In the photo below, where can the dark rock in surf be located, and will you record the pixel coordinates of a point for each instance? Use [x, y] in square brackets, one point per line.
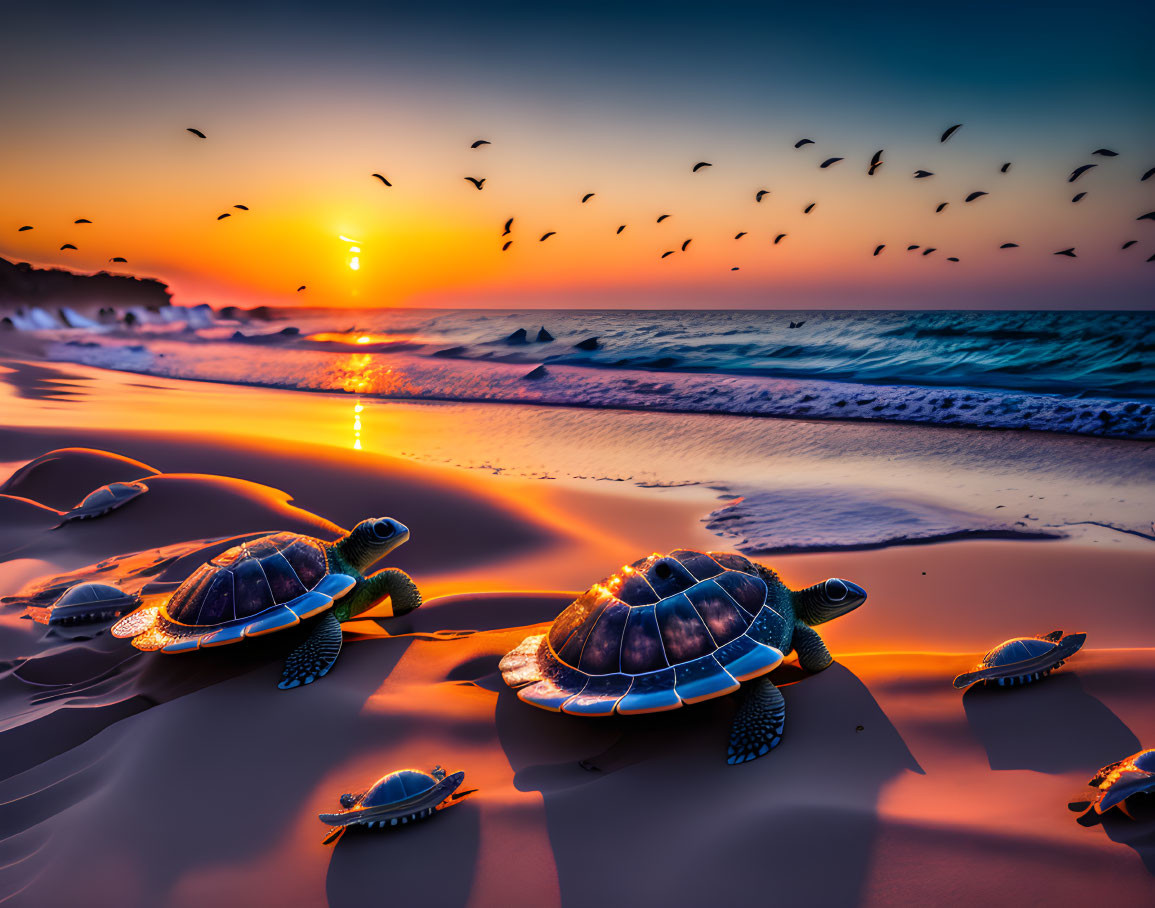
[590, 343]
[544, 337]
[539, 372]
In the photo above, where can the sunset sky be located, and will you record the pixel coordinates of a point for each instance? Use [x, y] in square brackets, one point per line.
[301, 103]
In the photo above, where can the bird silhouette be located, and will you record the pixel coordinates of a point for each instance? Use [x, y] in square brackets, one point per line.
[587, 197]
[809, 208]
[952, 259]
[382, 179]
[778, 239]
[661, 218]
[875, 163]
[1149, 216]
[546, 236]
[1078, 196]
[67, 246]
[476, 182]
[941, 206]
[700, 165]
[664, 254]
[1070, 253]
[1079, 171]
[1005, 167]
[242, 207]
[1009, 246]
[25, 227]
[760, 193]
[508, 227]
[928, 250]
[221, 217]
[978, 194]
[197, 133]
[1105, 152]
[480, 142]
[802, 142]
[118, 259]
[82, 221]
[1129, 244]
[879, 248]
[740, 234]
[509, 243]
[950, 132]
[912, 248]
[620, 229]
[1151, 258]
[735, 268]
[923, 174]
[302, 287]
[1150, 173]
[685, 244]
[828, 162]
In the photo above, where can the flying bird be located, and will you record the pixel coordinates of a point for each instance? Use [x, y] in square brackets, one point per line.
[828, 162]
[923, 174]
[734, 269]
[1070, 253]
[242, 207]
[1149, 216]
[197, 133]
[928, 250]
[1005, 167]
[480, 142]
[221, 217]
[302, 287]
[476, 182]
[952, 259]
[1079, 171]
[875, 163]
[700, 165]
[1151, 258]
[809, 208]
[546, 236]
[976, 195]
[740, 234]
[118, 259]
[1009, 246]
[620, 229]
[82, 221]
[1150, 173]
[382, 179]
[778, 238]
[912, 248]
[1078, 196]
[761, 192]
[587, 197]
[802, 142]
[950, 132]
[509, 243]
[508, 227]
[664, 254]
[1105, 152]
[67, 246]
[685, 244]
[879, 248]
[1129, 244]
[662, 218]
[25, 227]
[941, 206]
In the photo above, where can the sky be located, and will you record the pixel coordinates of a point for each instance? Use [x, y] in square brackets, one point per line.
[302, 102]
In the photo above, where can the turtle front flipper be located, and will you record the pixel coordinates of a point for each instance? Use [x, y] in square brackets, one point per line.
[758, 724]
[313, 658]
[812, 652]
[391, 583]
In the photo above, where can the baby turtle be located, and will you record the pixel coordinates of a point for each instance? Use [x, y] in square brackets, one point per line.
[91, 602]
[677, 629]
[106, 498]
[1022, 660]
[401, 797]
[1116, 784]
[275, 582]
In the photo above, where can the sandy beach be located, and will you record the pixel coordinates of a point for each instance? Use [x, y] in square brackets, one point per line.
[164, 780]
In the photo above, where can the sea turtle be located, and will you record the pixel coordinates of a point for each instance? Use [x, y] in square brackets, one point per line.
[107, 498]
[1022, 660]
[276, 582]
[675, 629]
[401, 797]
[90, 602]
[1116, 784]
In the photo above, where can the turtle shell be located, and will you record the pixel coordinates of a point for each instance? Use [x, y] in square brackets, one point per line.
[91, 602]
[396, 799]
[664, 631]
[1022, 660]
[105, 499]
[251, 589]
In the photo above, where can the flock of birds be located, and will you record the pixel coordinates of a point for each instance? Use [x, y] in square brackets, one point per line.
[876, 161]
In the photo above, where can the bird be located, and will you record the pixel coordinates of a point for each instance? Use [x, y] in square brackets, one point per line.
[302, 287]
[941, 206]
[25, 227]
[879, 248]
[923, 174]
[875, 163]
[196, 132]
[620, 229]
[1150, 173]
[1151, 258]
[1149, 216]
[734, 268]
[740, 234]
[587, 197]
[1105, 152]
[1005, 167]
[1070, 253]
[950, 132]
[382, 179]
[1079, 171]
[975, 195]
[117, 258]
[221, 217]
[1009, 246]
[664, 254]
[1078, 196]
[912, 248]
[1129, 244]
[802, 142]
[778, 238]
[82, 221]
[685, 244]
[509, 243]
[828, 162]
[661, 218]
[928, 250]
[508, 227]
[760, 193]
[952, 259]
[809, 208]
[480, 142]
[67, 246]
[476, 182]
[546, 236]
[700, 165]
[242, 207]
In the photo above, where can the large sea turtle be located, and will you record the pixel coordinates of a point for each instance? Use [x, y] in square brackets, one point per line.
[676, 629]
[275, 582]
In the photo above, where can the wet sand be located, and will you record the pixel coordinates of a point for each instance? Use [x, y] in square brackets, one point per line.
[130, 778]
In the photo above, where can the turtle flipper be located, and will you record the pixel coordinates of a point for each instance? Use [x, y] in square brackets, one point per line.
[757, 726]
[390, 583]
[313, 658]
[812, 652]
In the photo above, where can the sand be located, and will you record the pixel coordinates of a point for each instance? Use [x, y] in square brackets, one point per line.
[141, 779]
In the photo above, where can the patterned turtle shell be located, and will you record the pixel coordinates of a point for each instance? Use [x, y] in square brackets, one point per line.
[251, 589]
[1022, 660]
[664, 631]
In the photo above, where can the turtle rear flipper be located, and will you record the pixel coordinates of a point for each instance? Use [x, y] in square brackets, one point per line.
[758, 724]
[313, 658]
[333, 835]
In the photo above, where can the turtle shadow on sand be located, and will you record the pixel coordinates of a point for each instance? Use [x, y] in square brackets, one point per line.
[1051, 726]
[657, 787]
[1136, 832]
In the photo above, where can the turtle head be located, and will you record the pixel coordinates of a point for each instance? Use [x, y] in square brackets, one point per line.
[372, 539]
[830, 599]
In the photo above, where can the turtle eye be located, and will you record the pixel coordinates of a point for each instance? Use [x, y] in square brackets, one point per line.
[836, 590]
[383, 529]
